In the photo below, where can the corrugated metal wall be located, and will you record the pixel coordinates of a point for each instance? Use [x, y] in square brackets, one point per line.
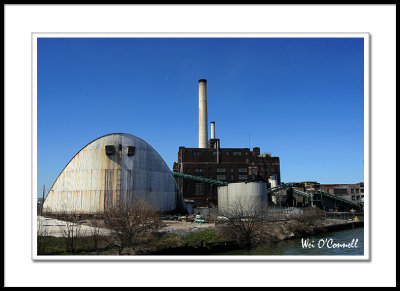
[94, 181]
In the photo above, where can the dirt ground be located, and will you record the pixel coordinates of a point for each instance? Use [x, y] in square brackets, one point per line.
[183, 228]
[278, 230]
[53, 227]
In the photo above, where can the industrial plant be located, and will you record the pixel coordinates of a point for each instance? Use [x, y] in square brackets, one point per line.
[211, 161]
[118, 193]
[120, 168]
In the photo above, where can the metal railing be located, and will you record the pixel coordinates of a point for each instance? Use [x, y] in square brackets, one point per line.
[293, 213]
[344, 215]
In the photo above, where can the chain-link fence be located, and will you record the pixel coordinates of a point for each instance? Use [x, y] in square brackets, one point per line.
[294, 213]
[345, 216]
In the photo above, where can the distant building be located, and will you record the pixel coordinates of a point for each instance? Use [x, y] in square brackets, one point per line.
[307, 186]
[39, 205]
[39, 202]
[351, 192]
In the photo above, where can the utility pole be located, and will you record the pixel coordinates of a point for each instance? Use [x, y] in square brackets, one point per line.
[41, 207]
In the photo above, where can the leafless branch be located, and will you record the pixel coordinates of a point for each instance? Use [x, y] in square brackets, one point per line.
[71, 231]
[41, 237]
[132, 222]
[242, 220]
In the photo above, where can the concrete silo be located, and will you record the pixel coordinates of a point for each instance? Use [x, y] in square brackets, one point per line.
[242, 197]
[112, 169]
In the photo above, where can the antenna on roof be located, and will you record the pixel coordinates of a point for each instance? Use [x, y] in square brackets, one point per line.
[41, 208]
[249, 141]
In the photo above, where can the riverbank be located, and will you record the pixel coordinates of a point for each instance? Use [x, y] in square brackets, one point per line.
[187, 238]
[283, 230]
[278, 231]
[347, 242]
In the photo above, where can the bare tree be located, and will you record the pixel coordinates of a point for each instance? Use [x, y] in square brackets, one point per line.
[242, 220]
[309, 216]
[133, 223]
[41, 237]
[71, 231]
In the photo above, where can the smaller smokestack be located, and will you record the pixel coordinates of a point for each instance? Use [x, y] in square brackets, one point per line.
[212, 130]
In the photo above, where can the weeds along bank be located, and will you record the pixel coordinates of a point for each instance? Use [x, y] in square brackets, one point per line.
[178, 238]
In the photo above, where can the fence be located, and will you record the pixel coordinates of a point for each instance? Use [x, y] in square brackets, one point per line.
[290, 213]
[344, 215]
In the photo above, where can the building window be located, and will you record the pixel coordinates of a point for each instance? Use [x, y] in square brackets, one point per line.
[242, 170]
[221, 177]
[237, 153]
[231, 177]
[358, 198]
[362, 190]
[357, 190]
[199, 170]
[195, 153]
[252, 170]
[340, 191]
[242, 177]
[352, 190]
[199, 188]
[231, 170]
[220, 170]
[353, 198]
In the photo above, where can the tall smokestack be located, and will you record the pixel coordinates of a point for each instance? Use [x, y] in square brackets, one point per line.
[212, 130]
[203, 134]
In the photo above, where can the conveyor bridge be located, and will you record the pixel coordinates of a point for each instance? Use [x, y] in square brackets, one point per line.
[200, 179]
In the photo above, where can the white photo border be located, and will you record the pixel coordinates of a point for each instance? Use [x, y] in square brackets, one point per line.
[367, 100]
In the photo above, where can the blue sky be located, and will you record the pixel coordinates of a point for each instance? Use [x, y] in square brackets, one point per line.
[301, 99]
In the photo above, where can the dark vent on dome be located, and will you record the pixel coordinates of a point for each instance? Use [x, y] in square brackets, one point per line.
[131, 150]
[110, 150]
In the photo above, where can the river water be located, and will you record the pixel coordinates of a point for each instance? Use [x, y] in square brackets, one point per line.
[342, 242]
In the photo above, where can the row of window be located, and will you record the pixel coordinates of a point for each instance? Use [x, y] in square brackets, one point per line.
[344, 191]
[354, 198]
[223, 177]
[219, 170]
[198, 153]
[357, 190]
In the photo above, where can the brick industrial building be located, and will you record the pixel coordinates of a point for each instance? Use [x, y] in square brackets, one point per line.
[224, 164]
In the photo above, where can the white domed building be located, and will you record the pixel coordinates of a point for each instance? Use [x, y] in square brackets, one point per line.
[112, 169]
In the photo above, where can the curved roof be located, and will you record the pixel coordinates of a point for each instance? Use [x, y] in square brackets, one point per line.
[93, 180]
